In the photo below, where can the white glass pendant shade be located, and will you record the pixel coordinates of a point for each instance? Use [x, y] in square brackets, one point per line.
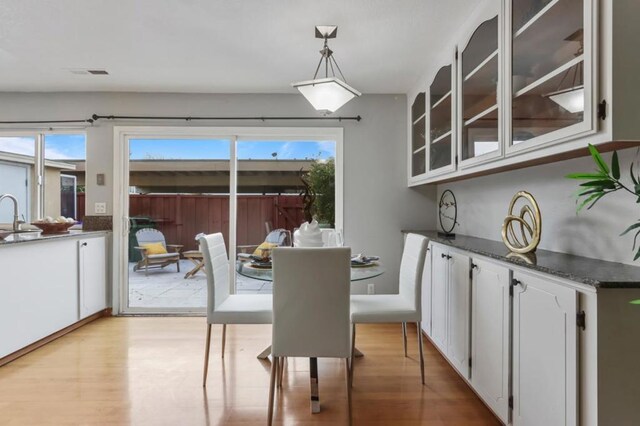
[572, 100]
[326, 94]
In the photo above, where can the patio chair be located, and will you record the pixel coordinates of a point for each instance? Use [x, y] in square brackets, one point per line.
[155, 252]
[276, 238]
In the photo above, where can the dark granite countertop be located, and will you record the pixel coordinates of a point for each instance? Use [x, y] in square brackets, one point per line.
[592, 272]
[37, 237]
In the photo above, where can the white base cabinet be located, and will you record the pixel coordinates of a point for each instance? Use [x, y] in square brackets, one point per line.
[545, 362]
[48, 285]
[490, 339]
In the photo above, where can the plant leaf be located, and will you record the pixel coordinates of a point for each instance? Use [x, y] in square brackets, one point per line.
[637, 255]
[598, 159]
[596, 200]
[588, 200]
[635, 240]
[615, 166]
[633, 177]
[589, 191]
[586, 176]
[606, 184]
[634, 226]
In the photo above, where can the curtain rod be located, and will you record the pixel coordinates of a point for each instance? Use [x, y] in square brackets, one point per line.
[97, 117]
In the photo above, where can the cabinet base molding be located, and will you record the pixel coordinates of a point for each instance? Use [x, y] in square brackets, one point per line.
[50, 338]
[426, 336]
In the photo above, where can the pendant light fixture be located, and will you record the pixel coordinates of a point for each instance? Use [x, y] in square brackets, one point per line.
[572, 98]
[330, 93]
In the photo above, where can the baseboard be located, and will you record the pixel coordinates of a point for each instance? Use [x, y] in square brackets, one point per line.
[50, 338]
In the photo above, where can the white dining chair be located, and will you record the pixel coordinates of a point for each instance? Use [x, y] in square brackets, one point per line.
[403, 307]
[310, 310]
[222, 307]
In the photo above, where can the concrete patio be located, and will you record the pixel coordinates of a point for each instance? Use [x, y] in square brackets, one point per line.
[166, 288]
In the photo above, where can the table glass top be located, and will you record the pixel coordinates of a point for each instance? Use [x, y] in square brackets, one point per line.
[357, 273]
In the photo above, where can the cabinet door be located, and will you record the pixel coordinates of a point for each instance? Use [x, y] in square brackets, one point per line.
[544, 352]
[426, 293]
[552, 82]
[458, 334]
[490, 308]
[480, 98]
[92, 273]
[418, 136]
[439, 278]
[441, 108]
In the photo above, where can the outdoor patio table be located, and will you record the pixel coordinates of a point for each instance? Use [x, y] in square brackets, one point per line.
[196, 257]
[358, 273]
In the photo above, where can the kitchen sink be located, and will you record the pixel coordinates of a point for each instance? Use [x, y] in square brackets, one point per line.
[23, 234]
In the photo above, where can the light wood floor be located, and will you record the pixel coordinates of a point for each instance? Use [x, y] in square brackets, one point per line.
[147, 371]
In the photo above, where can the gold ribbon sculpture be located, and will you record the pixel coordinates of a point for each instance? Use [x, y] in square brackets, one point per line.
[530, 225]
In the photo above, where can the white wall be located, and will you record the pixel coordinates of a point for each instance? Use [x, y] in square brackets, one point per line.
[483, 204]
[377, 202]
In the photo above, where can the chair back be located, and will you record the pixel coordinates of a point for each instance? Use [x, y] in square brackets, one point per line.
[216, 264]
[150, 235]
[411, 265]
[311, 316]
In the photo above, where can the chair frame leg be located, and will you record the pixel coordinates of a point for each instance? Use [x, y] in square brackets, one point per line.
[224, 338]
[349, 366]
[421, 351]
[206, 356]
[353, 349]
[404, 337]
[272, 383]
[281, 366]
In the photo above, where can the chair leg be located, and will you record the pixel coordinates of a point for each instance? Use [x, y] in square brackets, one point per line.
[146, 268]
[421, 354]
[349, 367]
[281, 365]
[272, 383]
[178, 265]
[224, 337]
[206, 356]
[404, 337]
[353, 349]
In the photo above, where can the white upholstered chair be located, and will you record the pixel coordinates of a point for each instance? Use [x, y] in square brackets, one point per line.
[310, 309]
[403, 307]
[222, 307]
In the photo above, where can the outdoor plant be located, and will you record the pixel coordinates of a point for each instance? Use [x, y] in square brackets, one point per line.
[321, 178]
[605, 180]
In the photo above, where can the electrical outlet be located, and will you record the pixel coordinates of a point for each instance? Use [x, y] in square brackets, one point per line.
[371, 288]
[100, 208]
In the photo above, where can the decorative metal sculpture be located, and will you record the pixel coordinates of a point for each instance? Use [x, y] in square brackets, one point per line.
[530, 225]
[448, 213]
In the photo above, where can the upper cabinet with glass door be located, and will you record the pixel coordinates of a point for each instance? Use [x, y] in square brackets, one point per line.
[479, 103]
[441, 128]
[551, 57]
[418, 139]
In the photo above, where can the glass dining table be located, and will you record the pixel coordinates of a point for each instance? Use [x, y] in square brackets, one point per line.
[358, 273]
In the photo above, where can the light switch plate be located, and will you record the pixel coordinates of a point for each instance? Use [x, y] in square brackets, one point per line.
[371, 288]
[100, 208]
[100, 179]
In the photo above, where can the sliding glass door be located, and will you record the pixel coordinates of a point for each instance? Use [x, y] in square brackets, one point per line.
[176, 184]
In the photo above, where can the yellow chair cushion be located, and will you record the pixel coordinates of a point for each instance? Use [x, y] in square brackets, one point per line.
[259, 251]
[155, 248]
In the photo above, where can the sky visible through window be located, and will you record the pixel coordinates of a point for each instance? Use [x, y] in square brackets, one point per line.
[73, 147]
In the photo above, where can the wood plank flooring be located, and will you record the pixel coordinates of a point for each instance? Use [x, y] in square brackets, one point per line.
[148, 371]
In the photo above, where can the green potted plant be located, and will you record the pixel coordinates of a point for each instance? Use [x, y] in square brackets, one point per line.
[605, 180]
[321, 178]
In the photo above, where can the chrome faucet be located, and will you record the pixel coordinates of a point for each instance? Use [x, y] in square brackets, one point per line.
[16, 219]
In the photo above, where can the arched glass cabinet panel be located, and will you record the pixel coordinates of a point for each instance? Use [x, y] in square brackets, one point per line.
[440, 120]
[479, 82]
[418, 138]
[548, 67]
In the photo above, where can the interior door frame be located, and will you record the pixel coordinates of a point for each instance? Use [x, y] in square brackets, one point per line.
[121, 137]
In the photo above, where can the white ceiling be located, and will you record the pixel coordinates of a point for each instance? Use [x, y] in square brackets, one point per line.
[217, 46]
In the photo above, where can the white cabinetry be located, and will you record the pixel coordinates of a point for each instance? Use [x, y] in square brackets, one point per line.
[491, 312]
[545, 360]
[426, 293]
[450, 306]
[92, 274]
[458, 313]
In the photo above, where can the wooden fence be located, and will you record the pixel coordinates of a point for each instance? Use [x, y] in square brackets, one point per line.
[182, 217]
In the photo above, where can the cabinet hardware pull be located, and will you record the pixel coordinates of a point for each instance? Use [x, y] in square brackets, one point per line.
[84, 244]
[473, 266]
[444, 256]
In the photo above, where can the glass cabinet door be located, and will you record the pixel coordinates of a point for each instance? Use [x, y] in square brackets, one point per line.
[440, 130]
[418, 139]
[479, 106]
[548, 68]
